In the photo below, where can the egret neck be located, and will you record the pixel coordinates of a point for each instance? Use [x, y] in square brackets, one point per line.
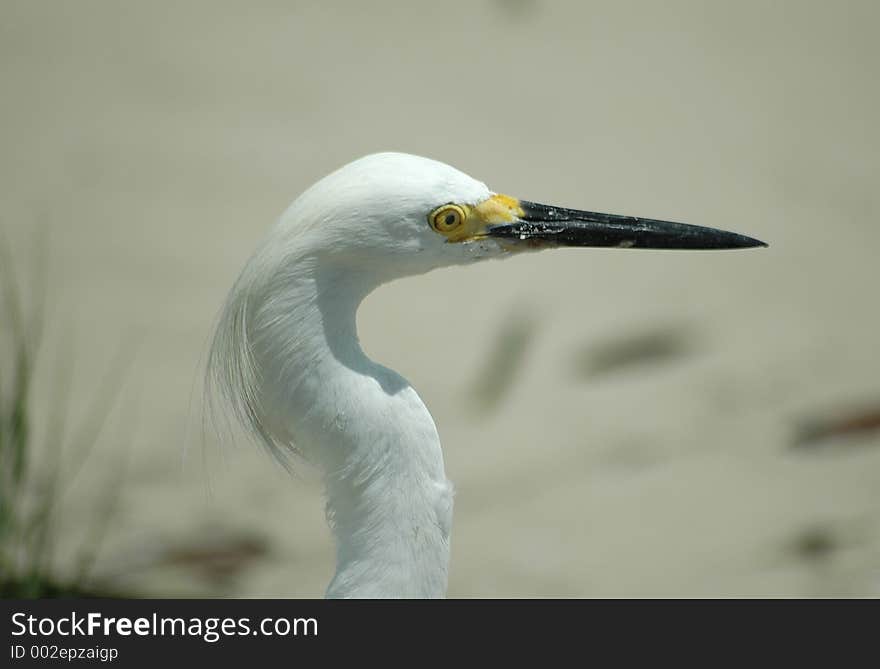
[388, 501]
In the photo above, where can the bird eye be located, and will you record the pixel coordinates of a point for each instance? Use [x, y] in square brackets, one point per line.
[447, 218]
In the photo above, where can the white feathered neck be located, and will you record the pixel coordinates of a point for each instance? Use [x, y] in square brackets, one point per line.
[288, 360]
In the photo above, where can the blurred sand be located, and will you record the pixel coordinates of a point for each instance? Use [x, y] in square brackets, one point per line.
[157, 141]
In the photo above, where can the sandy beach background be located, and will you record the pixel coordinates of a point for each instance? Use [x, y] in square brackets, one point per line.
[616, 423]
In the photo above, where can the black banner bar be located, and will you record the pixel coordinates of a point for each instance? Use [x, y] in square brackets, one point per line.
[268, 632]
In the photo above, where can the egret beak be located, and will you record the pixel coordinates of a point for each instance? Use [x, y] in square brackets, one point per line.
[540, 225]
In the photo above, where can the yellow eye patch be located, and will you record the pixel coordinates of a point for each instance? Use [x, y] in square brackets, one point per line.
[461, 222]
[499, 209]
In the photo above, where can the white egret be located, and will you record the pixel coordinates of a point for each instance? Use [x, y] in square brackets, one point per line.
[286, 359]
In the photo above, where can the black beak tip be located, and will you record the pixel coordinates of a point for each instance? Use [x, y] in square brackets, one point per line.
[744, 242]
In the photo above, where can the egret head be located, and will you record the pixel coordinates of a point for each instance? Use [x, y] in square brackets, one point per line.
[382, 217]
[400, 214]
